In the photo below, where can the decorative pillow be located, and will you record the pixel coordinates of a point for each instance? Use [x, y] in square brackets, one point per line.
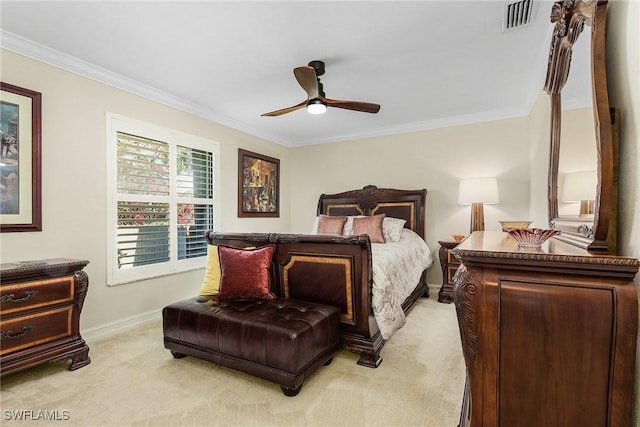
[331, 224]
[211, 281]
[371, 225]
[245, 273]
[348, 226]
[392, 229]
[314, 227]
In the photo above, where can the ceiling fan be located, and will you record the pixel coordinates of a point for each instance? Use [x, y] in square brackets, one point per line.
[308, 77]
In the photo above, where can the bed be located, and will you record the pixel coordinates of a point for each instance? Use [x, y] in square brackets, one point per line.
[340, 270]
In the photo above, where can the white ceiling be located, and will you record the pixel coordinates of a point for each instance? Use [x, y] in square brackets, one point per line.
[428, 63]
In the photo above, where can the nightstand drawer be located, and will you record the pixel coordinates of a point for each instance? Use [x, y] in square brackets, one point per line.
[449, 265]
[24, 296]
[451, 271]
[28, 331]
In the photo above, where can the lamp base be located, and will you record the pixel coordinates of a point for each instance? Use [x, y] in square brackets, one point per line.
[477, 217]
[586, 207]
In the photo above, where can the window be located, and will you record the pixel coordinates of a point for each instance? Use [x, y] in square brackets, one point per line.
[161, 191]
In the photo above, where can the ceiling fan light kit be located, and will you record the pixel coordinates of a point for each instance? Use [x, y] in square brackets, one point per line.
[308, 77]
[316, 106]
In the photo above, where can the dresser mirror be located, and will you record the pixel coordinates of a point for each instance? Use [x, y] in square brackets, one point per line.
[582, 185]
[578, 157]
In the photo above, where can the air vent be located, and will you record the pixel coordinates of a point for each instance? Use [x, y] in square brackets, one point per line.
[517, 14]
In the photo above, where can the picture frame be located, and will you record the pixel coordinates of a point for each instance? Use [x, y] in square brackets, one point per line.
[20, 159]
[258, 185]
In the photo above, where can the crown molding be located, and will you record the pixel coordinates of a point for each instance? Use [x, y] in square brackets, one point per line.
[423, 126]
[47, 55]
[584, 102]
[53, 57]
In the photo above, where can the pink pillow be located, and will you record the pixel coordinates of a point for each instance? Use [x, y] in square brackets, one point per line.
[331, 224]
[245, 273]
[371, 225]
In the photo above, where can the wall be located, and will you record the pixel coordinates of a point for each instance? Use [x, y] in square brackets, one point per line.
[74, 185]
[435, 160]
[623, 78]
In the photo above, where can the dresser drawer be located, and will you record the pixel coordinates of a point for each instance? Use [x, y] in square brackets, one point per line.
[39, 328]
[40, 293]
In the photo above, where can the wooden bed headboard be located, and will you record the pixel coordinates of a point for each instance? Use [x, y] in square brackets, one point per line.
[409, 205]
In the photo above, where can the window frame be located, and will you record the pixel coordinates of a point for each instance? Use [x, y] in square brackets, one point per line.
[117, 123]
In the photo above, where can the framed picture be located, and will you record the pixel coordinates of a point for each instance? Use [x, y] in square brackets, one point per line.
[258, 185]
[20, 159]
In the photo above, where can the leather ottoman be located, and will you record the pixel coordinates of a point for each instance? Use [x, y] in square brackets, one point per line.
[280, 340]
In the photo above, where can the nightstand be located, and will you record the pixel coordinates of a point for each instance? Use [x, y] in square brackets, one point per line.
[449, 265]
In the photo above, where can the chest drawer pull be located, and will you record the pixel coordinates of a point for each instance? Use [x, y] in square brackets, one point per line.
[27, 296]
[25, 331]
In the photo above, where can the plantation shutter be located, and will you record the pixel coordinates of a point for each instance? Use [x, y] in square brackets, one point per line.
[195, 211]
[143, 225]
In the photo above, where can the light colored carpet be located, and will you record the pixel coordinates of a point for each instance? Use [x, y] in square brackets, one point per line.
[133, 381]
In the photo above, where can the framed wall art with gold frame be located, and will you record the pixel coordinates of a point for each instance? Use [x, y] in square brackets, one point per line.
[258, 185]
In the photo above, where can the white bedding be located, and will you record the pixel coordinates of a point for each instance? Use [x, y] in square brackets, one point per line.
[397, 268]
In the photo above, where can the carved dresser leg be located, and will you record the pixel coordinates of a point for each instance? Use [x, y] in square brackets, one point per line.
[80, 359]
[370, 359]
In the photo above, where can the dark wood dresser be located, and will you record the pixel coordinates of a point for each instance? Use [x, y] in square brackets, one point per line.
[40, 310]
[548, 335]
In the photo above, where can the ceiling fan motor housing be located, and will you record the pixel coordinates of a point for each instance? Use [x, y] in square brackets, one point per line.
[318, 66]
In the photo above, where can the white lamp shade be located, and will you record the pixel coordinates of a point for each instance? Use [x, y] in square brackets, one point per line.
[478, 190]
[580, 186]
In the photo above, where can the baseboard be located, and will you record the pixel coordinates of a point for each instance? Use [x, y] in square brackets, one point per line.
[433, 289]
[119, 326]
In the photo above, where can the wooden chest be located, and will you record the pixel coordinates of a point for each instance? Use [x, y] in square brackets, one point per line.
[40, 307]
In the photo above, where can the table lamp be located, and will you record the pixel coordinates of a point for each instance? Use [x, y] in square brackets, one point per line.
[581, 187]
[476, 192]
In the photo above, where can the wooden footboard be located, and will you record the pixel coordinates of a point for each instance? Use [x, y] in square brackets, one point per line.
[329, 270]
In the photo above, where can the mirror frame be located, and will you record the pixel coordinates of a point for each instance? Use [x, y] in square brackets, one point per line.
[569, 18]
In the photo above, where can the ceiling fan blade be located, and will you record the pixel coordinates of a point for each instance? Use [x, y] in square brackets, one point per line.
[306, 77]
[365, 107]
[285, 110]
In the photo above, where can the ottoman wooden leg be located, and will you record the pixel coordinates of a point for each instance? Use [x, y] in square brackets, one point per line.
[290, 392]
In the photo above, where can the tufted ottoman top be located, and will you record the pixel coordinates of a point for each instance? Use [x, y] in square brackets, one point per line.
[280, 333]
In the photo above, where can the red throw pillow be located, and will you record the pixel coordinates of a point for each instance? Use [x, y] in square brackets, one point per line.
[245, 273]
[371, 225]
[331, 224]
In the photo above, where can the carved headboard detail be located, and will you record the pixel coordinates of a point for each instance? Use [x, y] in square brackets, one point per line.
[405, 204]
